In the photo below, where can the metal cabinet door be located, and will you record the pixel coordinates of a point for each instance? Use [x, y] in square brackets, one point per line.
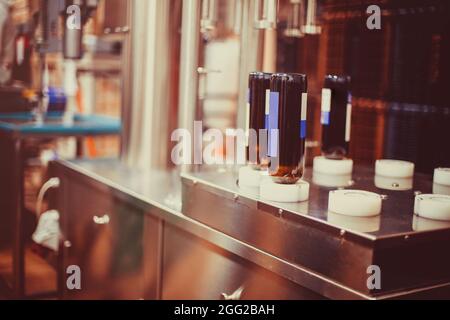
[194, 269]
[105, 239]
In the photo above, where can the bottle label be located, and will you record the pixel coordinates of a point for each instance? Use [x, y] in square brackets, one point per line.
[348, 123]
[20, 50]
[247, 119]
[303, 122]
[326, 106]
[267, 111]
[273, 123]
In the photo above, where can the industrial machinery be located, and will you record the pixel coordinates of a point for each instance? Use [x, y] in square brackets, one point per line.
[66, 18]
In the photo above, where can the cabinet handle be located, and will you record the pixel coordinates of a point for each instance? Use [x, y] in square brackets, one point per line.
[237, 295]
[101, 220]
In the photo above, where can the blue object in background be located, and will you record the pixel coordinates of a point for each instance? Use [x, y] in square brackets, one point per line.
[57, 100]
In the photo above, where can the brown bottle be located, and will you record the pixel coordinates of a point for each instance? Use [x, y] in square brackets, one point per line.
[288, 111]
[336, 117]
[259, 89]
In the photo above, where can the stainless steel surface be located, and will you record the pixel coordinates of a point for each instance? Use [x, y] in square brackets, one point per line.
[189, 59]
[218, 271]
[250, 57]
[409, 258]
[148, 108]
[165, 202]
[396, 220]
[116, 252]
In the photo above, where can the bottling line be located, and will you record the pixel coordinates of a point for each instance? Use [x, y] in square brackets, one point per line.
[269, 150]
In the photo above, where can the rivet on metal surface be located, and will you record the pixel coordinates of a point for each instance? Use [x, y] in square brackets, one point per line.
[343, 232]
[236, 196]
[67, 244]
[195, 182]
[407, 237]
[384, 197]
[280, 212]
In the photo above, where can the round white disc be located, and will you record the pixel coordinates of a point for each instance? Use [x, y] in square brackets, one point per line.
[334, 167]
[355, 203]
[396, 184]
[287, 193]
[249, 177]
[442, 176]
[436, 207]
[424, 224]
[360, 224]
[394, 168]
[331, 180]
[441, 189]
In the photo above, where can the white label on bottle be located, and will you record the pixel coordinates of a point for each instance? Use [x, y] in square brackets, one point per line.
[267, 102]
[326, 100]
[247, 120]
[348, 123]
[304, 106]
[303, 124]
[20, 50]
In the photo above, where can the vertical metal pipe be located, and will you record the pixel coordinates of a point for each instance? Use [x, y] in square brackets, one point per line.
[148, 105]
[189, 64]
[311, 26]
[266, 15]
[127, 85]
[250, 56]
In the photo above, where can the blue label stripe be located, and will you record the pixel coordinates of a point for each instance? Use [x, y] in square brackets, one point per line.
[266, 123]
[273, 124]
[303, 129]
[325, 118]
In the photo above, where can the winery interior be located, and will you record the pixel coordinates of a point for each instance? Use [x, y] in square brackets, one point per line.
[224, 149]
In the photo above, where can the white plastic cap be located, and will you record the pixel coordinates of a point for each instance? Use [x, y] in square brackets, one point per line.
[441, 189]
[442, 176]
[432, 206]
[249, 177]
[355, 203]
[396, 184]
[287, 193]
[394, 168]
[334, 167]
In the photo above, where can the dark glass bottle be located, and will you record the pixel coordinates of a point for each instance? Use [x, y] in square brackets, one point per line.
[336, 117]
[258, 94]
[288, 111]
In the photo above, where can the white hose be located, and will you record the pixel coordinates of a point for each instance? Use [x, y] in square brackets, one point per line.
[50, 184]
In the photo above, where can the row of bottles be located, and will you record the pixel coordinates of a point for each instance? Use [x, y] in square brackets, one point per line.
[278, 104]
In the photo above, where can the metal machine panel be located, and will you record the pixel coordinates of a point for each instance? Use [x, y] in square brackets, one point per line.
[338, 247]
